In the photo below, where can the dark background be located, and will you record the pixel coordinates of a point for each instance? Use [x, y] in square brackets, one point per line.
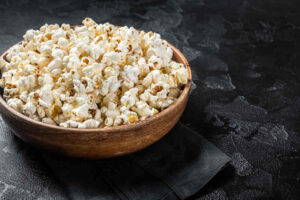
[245, 59]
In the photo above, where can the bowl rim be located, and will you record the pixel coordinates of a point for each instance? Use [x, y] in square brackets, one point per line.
[126, 127]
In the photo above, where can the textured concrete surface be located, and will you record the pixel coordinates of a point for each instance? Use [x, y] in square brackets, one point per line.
[245, 99]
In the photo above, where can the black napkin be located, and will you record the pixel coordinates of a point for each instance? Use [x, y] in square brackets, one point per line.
[176, 167]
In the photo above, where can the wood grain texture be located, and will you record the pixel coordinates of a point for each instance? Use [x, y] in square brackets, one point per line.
[100, 142]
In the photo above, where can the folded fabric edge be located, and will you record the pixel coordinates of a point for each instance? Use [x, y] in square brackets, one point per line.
[225, 161]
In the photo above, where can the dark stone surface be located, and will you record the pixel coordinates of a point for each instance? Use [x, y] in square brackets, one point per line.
[245, 98]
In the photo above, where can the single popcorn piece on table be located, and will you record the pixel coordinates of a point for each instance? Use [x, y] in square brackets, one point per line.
[91, 76]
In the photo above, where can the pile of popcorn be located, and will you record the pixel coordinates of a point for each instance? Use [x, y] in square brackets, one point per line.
[95, 75]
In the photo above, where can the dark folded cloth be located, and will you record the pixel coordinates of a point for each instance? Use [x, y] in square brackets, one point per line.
[176, 167]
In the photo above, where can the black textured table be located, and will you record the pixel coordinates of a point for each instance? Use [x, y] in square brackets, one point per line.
[245, 59]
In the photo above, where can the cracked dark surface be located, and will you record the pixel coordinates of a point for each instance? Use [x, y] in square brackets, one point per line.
[245, 99]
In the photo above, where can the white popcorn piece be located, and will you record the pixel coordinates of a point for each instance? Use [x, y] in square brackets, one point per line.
[74, 62]
[78, 86]
[181, 75]
[143, 66]
[43, 61]
[3, 64]
[15, 103]
[41, 112]
[109, 71]
[108, 122]
[143, 109]
[131, 34]
[111, 84]
[98, 115]
[28, 82]
[129, 98]
[95, 75]
[88, 70]
[81, 112]
[29, 35]
[88, 22]
[57, 34]
[67, 109]
[62, 43]
[48, 121]
[118, 121]
[29, 108]
[112, 111]
[96, 51]
[112, 58]
[155, 62]
[64, 124]
[153, 77]
[15, 60]
[58, 54]
[46, 79]
[83, 48]
[129, 117]
[65, 27]
[55, 64]
[45, 50]
[163, 103]
[45, 96]
[24, 96]
[130, 73]
[91, 123]
[81, 98]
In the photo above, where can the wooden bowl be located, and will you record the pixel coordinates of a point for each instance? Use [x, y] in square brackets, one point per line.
[98, 142]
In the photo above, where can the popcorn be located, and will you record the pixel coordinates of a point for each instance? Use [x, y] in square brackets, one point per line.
[90, 123]
[45, 97]
[130, 73]
[29, 35]
[3, 63]
[59, 33]
[112, 112]
[111, 58]
[62, 43]
[111, 84]
[181, 75]
[41, 112]
[23, 96]
[55, 64]
[16, 104]
[144, 110]
[86, 61]
[129, 98]
[174, 92]
[48, 121]
[155, 62]
[129, 117]
[108, 122]
[45, 50]
[29, 108]
[27, 82]
[153, 77]
[95, 75]
[58, 54]
[88, 22]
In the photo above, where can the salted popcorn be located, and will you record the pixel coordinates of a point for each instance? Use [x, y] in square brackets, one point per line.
[91, 76]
